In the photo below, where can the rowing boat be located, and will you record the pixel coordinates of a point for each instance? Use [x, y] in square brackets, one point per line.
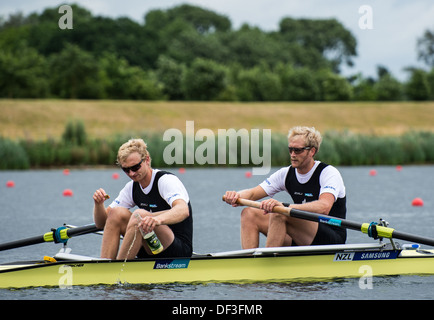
[310, 263]
[300, 263]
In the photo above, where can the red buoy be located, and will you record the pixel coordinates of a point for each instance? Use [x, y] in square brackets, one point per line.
[10, 184]
[181, 170]
[66, 172]
[67, 193]
[373, 172]
[115, 176]
[417, 202]
[248, 174]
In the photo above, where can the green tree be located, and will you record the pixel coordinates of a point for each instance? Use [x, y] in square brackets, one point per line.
[328, 37]
[388, 88]
[123, 81]
[250, 46]
[258, 84]
[75, 74]
[425, 48]
[170, 74]
[417, 88]
[334, 87]
[23, 73]
[298, 84]
[363, 88]
[204, 80]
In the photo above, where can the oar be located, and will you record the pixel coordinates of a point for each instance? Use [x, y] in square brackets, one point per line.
[61, 234]
[371, 229]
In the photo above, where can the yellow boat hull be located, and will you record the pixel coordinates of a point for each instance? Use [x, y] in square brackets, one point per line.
[236, 269]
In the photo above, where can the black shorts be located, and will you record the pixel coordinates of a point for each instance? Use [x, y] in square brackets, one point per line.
[327, 234]
[178, 249]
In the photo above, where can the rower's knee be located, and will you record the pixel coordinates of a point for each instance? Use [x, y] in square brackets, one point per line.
[118, 215]
[251, 215]
[277, 217]
[246, 214]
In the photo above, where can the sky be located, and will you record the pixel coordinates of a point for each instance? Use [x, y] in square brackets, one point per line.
[386, 30]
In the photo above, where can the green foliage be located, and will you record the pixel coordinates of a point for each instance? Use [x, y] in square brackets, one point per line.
[205, 80]
[418, 87]
[188, 52]
[299, 84]
[333, 87]
[22, 73]
[12, 155]
[75, 74]
[75, 133]
[338, 148]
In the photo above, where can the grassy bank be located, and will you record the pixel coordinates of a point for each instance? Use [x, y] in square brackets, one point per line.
[41, 133]
[46, 119]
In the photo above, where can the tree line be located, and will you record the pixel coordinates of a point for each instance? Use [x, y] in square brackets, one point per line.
[190, 53]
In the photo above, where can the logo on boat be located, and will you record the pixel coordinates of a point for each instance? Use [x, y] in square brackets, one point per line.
[172, 264]
[369, 255]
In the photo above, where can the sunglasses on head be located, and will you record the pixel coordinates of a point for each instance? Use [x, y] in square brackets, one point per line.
[298, 150]
[132, 168]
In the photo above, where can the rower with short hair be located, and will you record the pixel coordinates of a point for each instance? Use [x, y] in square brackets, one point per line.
[164, 207]
[313, 186]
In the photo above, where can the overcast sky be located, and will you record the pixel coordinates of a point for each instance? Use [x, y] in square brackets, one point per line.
[396, 24]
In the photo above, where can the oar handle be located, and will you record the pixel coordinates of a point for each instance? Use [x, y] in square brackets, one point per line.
[255, 204]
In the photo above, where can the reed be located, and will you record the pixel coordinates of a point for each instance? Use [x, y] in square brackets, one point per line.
[12, 155]
[339, 148]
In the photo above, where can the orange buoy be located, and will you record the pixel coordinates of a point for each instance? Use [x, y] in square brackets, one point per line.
[115, 176]
[417, 202]
[181, 170]
[398, 168]
[248, 174]
[66, 172]
[67, 193]
[10, 184]
[373, 172]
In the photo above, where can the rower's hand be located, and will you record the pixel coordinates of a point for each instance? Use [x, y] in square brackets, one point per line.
[149, 223]
[269, 204]
[100, 196]
[231, 198]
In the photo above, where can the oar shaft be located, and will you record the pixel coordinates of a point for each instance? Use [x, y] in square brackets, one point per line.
[306, 215]
[382, 232]
[21, 243]
[49, 237]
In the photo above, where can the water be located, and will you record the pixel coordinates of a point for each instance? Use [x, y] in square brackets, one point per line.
[36, 204]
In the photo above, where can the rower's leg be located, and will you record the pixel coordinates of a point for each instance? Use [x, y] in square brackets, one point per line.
[115, 226]
[253, 222]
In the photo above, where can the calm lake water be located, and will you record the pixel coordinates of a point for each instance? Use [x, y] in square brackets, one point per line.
[36, 204]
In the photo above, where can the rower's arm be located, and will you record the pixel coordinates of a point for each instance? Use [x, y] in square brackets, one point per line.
[178, 213]
[255, 193]
[322, 206]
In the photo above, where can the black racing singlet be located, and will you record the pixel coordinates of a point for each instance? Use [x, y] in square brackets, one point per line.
[309, 191]
[154, 202]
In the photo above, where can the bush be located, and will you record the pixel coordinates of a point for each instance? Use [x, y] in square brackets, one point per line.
[299, 84]
[334, 87]
[418, 87]
[12, 155]
[75, 133]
